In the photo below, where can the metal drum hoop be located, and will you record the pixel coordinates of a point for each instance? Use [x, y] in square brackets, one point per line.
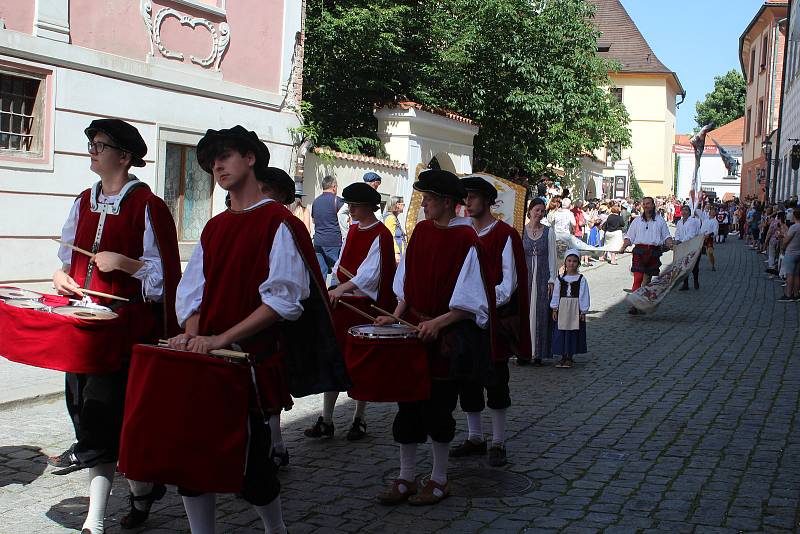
[393, 331]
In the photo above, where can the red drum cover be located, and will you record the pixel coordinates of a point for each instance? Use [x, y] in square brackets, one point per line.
[69, 344]
[388, 370]
[344, 318]
[185, 420]
[273, 384]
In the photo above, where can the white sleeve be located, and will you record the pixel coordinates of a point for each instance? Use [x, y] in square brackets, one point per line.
[554, 299]
[368, 275]
[68, 233]
[506, 288]
[469, 294]
[398, 284]
[189, 294]
[664, 231]
[630, 235]
[151, 274]
[552, 256]
[679, 231]
[343, 215]
[288, 281]
[583, 296]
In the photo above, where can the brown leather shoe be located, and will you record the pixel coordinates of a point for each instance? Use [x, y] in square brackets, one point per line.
[427, 496]
[394, 496]
[468, 448]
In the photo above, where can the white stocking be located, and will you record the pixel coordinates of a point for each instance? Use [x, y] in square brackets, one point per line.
[201, 512]
[328, 404]
[101, 477]
[475, 426]
[272, 516]
[441, 454]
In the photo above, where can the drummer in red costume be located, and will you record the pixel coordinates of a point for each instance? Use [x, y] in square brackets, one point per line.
[132, 235]
[440, 286]
[251, 274]
[505, 261]
[368, 255]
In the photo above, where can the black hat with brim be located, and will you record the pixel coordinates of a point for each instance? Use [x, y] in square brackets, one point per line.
[441, 183]
[125, 135]
[481, 186]
[215, 141]
[279, 181]
[361, 194]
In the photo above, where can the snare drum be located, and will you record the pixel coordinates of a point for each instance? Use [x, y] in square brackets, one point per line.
[387, 364]
[185, 420]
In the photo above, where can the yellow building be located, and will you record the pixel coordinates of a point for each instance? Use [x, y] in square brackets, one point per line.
[649, 91]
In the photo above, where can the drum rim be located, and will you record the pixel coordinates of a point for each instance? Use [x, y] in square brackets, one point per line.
[39, 305]
[403, 332]
[31, 295]
[113, 314]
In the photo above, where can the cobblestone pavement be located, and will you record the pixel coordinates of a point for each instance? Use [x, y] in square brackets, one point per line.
[682, 421]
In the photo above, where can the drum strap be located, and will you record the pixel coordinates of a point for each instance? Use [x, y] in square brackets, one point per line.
[103, 209]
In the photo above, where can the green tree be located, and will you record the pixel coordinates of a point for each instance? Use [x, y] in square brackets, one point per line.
[725, 103]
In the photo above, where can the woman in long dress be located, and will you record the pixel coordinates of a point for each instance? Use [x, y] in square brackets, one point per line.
[539, 242]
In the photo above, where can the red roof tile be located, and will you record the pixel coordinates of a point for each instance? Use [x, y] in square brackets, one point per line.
[361, 158]
[730, 134]
[407, 104]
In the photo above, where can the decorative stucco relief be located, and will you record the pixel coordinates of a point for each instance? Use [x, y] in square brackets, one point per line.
[220, 35]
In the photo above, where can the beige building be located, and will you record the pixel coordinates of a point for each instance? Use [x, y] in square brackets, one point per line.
[649, 91]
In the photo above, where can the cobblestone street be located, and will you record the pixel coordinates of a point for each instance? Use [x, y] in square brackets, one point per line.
[682, 421]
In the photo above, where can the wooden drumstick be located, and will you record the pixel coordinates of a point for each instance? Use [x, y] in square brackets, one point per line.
[346, 272]
[396, 318]
[225, 353]
[356, 310]
[101, 294]
[73, 247]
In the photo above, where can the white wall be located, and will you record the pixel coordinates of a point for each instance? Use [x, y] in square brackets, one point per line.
[787, 183]
[712, 175]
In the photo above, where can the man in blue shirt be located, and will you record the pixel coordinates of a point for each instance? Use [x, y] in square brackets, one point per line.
[327, 234]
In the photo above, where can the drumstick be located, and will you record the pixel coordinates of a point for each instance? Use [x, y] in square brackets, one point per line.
[346, 272]
[73, 247]
[396, 318]
[218, 352]
[356, 310]
[101, 294]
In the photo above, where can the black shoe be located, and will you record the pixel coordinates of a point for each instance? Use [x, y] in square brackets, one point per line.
[497, 455]
[281, 459]
[136, 517]
[319, 430]
[358, 430]
[65, 459]
[468, 448]
[697, 285]
[784, 298]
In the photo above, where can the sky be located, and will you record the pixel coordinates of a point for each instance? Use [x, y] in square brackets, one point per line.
[698, 39]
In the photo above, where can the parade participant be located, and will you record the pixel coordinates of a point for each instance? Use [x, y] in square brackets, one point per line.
[711, 230]
[440, 286]
[648, 234]
[724, 221]
[505, 261]
[686, 229]
[570, 304]
[346, 220]
[251, 277]
[132, 235]
[368, 255]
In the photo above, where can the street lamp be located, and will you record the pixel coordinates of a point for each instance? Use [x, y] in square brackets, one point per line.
[766, 146]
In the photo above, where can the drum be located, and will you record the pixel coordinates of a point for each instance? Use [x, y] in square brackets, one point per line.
[13, 293]
[72, 339]
[387, 364]
[185, 420]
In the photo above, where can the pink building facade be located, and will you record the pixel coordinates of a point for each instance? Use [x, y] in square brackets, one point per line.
[173, 68]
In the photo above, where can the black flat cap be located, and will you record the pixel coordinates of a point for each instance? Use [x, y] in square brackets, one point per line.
[280, 181]
[126, 136]
[442, 183]
[361, 194]
[481, 186]
[214, 142]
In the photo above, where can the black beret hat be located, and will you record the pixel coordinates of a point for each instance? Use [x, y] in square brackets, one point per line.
[280, 181]
[213, 142]
[442, 183]
[481, 186]
[126, 136]
[361, 193]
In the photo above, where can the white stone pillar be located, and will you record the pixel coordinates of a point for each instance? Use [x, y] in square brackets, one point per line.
[51, 19]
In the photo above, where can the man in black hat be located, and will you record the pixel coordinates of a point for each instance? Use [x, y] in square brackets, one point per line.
[506, 267]
[251, 278]
[373, 180]
[132, 236]
[439, 286]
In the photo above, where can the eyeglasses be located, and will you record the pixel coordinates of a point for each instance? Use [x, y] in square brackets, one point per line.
[99, 146]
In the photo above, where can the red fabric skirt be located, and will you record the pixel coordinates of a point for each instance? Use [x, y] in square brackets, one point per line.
[273, 385]
[344, 318]
[185, 420]
[646, 259]
[388, 370]
[73, 345]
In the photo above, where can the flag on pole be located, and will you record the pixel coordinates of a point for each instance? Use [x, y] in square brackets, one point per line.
[731, 163]
[699, 144]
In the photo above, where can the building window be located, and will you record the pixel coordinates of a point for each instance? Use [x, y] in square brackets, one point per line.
[752, 65]
[748, 121]
[764, 48]
[760, 118]
[617, 93]
[187, 191]
[21, 105]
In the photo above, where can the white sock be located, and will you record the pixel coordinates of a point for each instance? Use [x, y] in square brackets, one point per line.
[498, 426]
[441, 454]
[275, 431]
[137, 490]
[272, 516]
[361, 406]
[201, 512]
[475, 426]
[328, 403]
[408, 462]
[101, 477]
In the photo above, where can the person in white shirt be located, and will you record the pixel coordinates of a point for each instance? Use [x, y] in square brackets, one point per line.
[686, 229]
[563, 219]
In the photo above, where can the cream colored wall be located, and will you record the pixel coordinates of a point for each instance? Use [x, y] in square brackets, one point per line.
[650, 101]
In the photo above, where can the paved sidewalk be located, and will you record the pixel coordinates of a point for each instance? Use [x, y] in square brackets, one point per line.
[23, 383]
[681, 421]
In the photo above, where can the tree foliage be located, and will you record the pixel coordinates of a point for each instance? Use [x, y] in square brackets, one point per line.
[725, 103]
[526, 71]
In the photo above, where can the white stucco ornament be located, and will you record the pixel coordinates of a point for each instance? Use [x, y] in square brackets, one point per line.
[220, 35]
